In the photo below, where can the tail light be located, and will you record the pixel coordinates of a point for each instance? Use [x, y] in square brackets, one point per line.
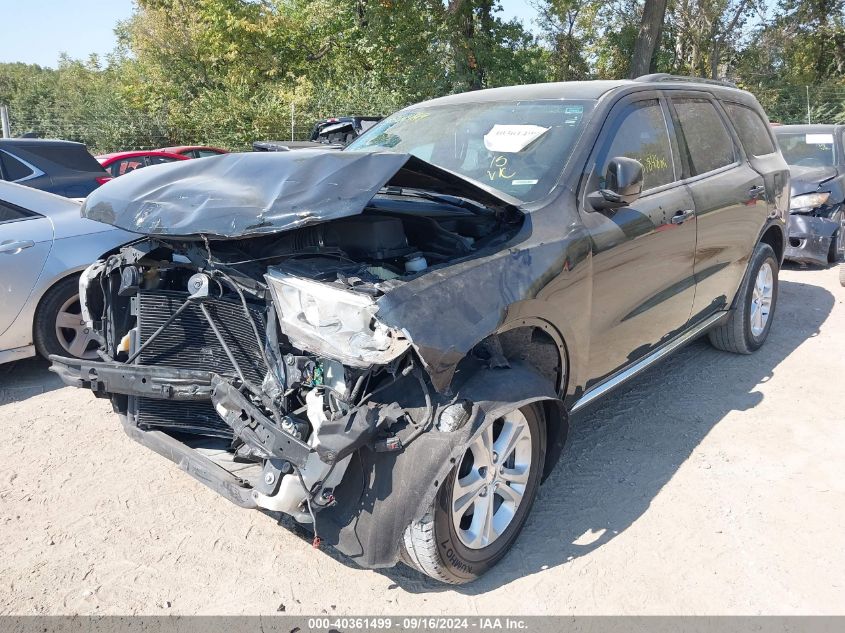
[102, 179]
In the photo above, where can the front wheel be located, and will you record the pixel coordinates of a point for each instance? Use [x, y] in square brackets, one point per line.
[748, 324]
[483, 503]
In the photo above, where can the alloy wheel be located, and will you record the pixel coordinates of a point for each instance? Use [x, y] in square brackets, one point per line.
[491, 481]
[761, 299]
[75, 337]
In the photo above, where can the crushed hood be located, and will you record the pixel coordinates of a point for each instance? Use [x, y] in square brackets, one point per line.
[807, 179]
[237, 195]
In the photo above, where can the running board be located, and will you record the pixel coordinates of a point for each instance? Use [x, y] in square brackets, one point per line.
[644, 363]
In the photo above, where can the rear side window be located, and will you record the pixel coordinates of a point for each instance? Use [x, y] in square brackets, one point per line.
[74, 157]
[10, 212]
[642, 134]
[158, 160]
[709, 145]
[125, 165]
[13, 169]
[753, 132]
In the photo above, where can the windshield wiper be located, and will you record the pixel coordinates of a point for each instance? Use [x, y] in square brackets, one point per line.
[452, 201]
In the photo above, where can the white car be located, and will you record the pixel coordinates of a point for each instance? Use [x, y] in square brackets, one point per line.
[44, 245]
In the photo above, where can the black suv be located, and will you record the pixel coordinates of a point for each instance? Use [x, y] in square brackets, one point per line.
[386, 342]
[61, 167]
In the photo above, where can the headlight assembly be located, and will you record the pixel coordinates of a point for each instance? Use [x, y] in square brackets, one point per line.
[333, 322]
[809, 200]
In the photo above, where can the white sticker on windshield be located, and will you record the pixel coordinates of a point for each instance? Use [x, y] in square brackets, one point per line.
[819, 139]
[512, 138]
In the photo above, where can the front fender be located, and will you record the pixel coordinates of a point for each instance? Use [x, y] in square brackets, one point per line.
[383, 492]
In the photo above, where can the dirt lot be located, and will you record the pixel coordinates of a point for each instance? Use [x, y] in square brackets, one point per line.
[712, 484]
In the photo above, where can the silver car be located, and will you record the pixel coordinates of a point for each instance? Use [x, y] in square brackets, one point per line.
[44, 245]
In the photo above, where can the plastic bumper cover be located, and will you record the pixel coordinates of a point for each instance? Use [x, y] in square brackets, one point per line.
[809, 239]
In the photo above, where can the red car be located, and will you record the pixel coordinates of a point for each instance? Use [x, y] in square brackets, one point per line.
[194, 151]
[120, 163]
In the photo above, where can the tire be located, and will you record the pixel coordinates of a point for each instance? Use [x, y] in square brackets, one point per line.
[62, 302]
[438, 547]
[741, 333]
[837, 242]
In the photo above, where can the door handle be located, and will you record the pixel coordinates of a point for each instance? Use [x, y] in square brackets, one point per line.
[756, 191]
[682, 216]
[13, 248]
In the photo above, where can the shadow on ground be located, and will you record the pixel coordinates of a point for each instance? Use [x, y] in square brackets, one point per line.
[24, 379]
[624, 449]
[621, 453]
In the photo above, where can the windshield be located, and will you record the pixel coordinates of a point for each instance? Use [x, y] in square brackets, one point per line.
[807, 149]
[518, 148]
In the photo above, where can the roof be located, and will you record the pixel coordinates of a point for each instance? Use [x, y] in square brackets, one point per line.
[23, 142]
[185, 148]
[805, 128]
[556, 90]
[142, 152]
[579, 89]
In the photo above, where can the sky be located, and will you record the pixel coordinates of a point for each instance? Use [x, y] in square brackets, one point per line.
[38, 31]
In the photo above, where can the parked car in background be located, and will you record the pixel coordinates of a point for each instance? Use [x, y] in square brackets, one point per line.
[120, 163]
[386, 342]
[194, 151]
[342, 130]
[331, 133]
[44, 245]
[816, 157]
[287, 146]
[61, 167]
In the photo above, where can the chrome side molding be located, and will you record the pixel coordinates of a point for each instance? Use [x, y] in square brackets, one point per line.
[644, 363]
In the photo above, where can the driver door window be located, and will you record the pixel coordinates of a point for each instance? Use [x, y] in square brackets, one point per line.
[642, 135]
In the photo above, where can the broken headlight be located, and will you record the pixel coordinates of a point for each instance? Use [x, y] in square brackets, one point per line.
[809, 200]
[333, 322]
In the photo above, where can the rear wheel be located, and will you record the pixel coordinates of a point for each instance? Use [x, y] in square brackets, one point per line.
[59, 328]
[749, 322]
[484, 502]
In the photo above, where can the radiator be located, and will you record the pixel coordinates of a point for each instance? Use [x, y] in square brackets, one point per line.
[189, 343]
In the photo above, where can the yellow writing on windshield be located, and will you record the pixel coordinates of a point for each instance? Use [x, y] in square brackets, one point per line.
[498, 169]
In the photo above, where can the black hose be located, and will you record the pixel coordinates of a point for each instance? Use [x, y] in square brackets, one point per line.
[261, 344]
[423, 427]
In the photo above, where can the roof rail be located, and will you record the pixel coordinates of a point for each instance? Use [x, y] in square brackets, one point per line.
[697, 80]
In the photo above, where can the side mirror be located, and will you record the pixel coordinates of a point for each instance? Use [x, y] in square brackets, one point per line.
[623, 184]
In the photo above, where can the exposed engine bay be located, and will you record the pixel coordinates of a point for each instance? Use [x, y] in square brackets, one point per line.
[266, 353]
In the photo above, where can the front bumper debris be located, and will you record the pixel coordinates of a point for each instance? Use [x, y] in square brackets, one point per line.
[147, 381]
[254, 428]
[809, 239]
[167, 383]
[194, 463]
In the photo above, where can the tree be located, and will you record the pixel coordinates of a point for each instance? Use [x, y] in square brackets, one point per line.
[568, 26]
[648, 37]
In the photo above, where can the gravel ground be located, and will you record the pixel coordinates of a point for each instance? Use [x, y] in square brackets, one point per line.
[712, 484]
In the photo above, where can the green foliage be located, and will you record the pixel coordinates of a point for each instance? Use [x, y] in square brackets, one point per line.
[227, 72]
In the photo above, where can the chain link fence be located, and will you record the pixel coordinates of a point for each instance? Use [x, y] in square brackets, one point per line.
[125, 129]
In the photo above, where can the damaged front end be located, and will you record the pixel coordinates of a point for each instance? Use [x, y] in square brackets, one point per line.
[261, 366]
[811, 238]
[816, 216]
